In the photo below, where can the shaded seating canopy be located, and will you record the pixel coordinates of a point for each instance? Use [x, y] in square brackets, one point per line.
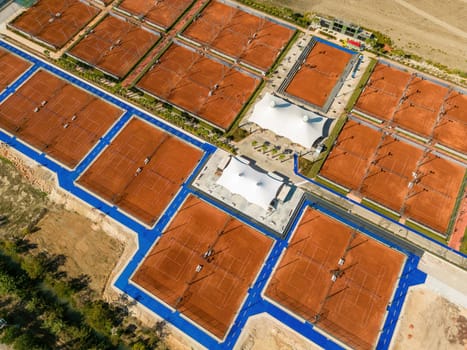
[255, 186]
[289, 120]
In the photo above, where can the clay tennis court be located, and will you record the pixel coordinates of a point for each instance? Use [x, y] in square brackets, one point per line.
[319, 73]
[114, 46]
[351, 308]
[420, 106]
[251, 39]
[57, 118]
[141, 170]
[432, 199]
[390, 172]
[212, 296]
[163, 14]
[451, 129]
[383, 92]
[348, 160]
[55, 22]
[395, 174]
[11, 67]
[205, 87]
[416, 104]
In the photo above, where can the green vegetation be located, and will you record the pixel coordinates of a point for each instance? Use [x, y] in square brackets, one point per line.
[463, 247]
[381, 210]
[311, 168]
[380, 42]
[45, 309]
[302, 20]
[246, 106]
[361, 84]
[405, 54]
[21, 205]
[426, 231]
[284, 52]
[460, 195]
[331, 185]
[327, 35]
[25, 3]
[238, 134]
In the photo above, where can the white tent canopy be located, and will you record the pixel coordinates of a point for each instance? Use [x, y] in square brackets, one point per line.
[286, 119]
[256, 187]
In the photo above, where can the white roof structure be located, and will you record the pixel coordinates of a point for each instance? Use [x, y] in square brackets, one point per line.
[286, 119]
[256, 187]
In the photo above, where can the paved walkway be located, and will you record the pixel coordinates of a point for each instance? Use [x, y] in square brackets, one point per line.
[449, 274]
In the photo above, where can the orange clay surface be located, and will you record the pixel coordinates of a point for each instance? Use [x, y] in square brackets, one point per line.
[419, 111]
[451, 130]
[351, 155]
[161, 13]
[11, 67]
[432, 200]
[413, 103]
[390, 173]
[114, 46]
[113, 176]
[51, 129]
[212, 296]
[381, 169]
[41, 21]
[185, 78]
[239, 34]
[383, 92]
[352, 308]
[318, 75]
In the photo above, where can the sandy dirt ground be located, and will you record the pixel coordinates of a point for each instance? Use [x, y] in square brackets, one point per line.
[429, 28]
[263, 332]
[88, 250]
[430, 322]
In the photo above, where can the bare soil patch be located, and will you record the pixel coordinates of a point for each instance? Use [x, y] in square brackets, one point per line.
[87, 250]
[263, 332]
[431, 322]
[410, 30]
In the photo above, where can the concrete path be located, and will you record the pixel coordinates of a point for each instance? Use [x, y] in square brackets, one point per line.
[445, 272]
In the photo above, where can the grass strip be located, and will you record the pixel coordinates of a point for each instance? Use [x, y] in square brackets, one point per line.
[380, 209]
[426, 231]
[311, 168]
[361, 85]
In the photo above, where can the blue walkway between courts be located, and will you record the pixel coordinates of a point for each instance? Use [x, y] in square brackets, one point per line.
[410, 276]
[336, 46]
[18, 82]
[254, 302]
[103, 142]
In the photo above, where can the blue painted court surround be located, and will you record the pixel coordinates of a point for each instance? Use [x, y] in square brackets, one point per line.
[321, 40]
[254, 303]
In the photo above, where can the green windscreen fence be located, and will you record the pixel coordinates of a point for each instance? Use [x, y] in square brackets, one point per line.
[26, 3]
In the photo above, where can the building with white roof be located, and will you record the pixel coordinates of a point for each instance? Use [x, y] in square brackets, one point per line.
[256, 187]
[289, 120]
